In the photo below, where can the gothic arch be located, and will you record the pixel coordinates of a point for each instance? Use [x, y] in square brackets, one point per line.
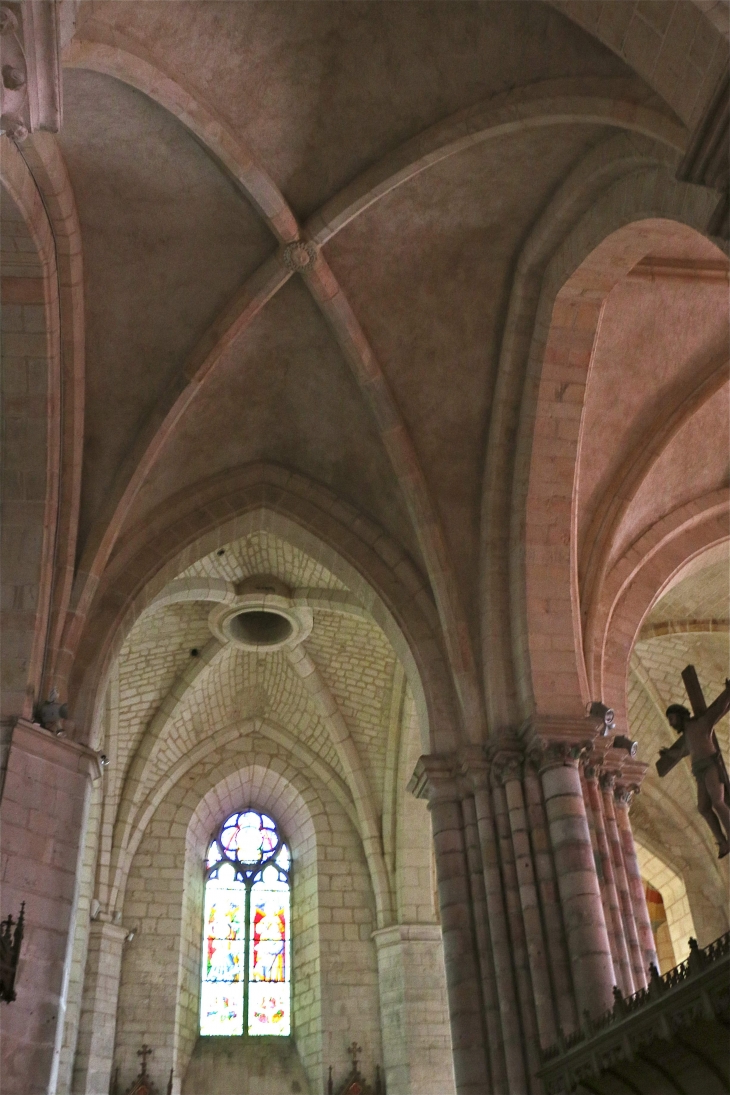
[643, 575]
[251, 772]
[558, 677]
[382, 577]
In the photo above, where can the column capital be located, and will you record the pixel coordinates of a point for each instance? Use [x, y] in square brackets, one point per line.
[632, 774]
[507, 766]
[553, 740]
[607, 780]
[436, 777]
[105, 929]
[623, 794]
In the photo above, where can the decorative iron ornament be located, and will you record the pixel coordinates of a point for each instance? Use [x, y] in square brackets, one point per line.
[355, 1083]
[142, 1084]
[10, 944]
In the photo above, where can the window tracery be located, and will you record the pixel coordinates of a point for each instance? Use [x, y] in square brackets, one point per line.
[245, 984]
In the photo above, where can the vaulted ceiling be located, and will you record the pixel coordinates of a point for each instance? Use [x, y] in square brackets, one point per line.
[355, 244]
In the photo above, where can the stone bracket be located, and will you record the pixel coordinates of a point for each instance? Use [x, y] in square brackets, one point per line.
[30, 93]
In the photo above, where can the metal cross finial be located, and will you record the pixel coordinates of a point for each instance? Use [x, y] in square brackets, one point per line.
[354, 1050]
[144, 1053]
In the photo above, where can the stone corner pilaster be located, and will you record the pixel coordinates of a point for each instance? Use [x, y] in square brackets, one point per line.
[32, 739]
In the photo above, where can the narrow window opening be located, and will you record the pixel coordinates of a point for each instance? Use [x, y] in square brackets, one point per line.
[246, 931]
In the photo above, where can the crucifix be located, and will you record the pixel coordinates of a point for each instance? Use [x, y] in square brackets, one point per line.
[354, 1050]
[144, 1053]
[697, 739]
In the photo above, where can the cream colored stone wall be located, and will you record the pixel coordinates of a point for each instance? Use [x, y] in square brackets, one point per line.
[334, 963]
[414, 873]
[80, 943]
[670, 885]
[264, 553]
[358, 664]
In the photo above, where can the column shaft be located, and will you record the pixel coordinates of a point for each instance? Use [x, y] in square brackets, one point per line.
[623, 964]
[636, 888]
[460, 953]
[517, 934]
[550, 900]
[605, 899]
[413, 1010]
[501, 945]
[536, 951]
[585, 927]
[97, 1025]
[484, 944]
[622, 886]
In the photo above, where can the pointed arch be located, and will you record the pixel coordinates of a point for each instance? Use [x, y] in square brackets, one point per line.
[376, 570]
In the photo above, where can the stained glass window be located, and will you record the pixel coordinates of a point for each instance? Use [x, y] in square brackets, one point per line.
[246, 942]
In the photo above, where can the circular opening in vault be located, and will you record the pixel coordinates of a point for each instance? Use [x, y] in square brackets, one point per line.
[260, 628]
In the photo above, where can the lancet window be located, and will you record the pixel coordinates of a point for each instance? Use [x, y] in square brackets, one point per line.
[246, 930]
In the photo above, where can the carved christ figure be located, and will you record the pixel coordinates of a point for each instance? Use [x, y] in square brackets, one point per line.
[697, 740]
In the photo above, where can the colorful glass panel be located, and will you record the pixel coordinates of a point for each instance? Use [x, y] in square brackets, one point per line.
[221, 1001]
[246, 930]
[268, 1009]
[269, 924]
[221, 1008]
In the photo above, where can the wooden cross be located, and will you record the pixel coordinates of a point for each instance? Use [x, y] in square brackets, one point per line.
[694, 691]
[674, 753]
[144, 1053]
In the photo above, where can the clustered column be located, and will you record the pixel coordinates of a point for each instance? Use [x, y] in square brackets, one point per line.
[542, 904]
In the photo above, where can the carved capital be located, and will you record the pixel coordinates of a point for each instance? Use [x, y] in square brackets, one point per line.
[624, 794]
[551, 740]
[30, 93]
[507, 767]
[607, 781]
[474, 767]
[299, 255]
[560, 753]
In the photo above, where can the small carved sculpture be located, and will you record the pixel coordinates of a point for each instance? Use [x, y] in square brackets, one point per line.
[51, 713]
[10, 943]
[698, 741]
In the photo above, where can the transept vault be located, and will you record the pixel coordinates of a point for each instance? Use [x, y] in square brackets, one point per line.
[364, 499]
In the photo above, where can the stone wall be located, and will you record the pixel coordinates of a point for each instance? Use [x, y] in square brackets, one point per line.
[334, 962]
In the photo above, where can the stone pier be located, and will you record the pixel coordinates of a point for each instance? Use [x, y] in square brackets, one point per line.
[42, 817]
[538, 891]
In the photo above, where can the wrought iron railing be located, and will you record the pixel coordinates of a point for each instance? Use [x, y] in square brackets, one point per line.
[699, 959]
